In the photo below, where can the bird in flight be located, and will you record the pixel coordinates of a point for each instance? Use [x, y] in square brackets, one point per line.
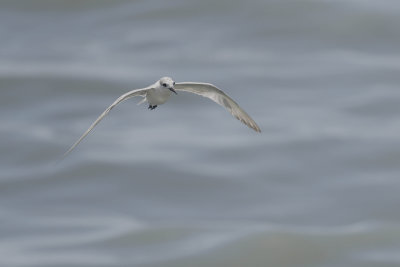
[159, 92]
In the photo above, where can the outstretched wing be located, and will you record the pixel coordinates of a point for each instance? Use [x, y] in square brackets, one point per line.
[137, 92]
[218, 96]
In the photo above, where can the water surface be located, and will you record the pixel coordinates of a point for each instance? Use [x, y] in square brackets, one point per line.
[187, 184]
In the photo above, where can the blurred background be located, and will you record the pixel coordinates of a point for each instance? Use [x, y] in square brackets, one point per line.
[187, 184]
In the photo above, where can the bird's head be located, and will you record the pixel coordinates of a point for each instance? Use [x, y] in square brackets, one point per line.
[167, 83]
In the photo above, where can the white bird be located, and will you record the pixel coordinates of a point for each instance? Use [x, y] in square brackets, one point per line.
[159, 92]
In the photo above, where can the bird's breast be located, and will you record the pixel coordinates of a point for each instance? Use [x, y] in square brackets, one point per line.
[157, 96]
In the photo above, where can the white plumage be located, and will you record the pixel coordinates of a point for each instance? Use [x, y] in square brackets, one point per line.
[159, 92]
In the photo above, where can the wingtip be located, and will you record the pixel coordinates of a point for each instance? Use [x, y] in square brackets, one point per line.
[66, 154]
[253, 125]
[256, 128]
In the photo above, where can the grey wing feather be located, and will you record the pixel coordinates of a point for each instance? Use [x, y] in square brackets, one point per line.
[212, 92]
[137, 92]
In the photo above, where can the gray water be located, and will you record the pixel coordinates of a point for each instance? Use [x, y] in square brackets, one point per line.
[187, 184]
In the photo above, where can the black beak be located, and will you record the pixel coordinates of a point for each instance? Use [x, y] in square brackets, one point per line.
[173, 90]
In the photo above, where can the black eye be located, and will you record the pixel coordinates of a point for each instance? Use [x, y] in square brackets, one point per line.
[164, 84]
[174, 83]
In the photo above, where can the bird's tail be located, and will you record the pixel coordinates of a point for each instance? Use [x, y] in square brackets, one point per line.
[142, 101]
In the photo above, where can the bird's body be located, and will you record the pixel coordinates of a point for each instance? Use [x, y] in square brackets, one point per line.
[157, 96]
[159, 93]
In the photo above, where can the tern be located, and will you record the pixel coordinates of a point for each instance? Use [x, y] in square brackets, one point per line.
[159, 92]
